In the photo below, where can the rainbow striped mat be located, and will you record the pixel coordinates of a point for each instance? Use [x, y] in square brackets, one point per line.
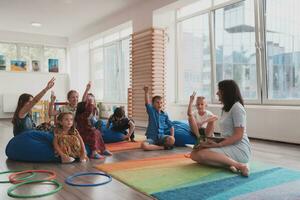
[176, 177]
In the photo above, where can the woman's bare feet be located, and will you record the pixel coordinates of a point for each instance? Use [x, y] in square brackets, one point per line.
[243, 169]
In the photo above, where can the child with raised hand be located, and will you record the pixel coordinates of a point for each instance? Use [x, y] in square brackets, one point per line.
[158, 122]
[90, 135]
[67, 140]
[22, 119]
[201, 121]
[90, 98]
[120, 122]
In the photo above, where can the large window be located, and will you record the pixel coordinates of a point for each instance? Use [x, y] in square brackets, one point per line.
[257, 46]
[194, 58]
[110, 66]
[283, 49]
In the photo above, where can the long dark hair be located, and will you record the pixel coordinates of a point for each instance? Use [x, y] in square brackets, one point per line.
[23, 99]
[230, 93]
[80, 109]
[60, 118]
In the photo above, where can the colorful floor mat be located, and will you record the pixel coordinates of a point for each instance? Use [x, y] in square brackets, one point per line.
[123, 146]
[177, 177]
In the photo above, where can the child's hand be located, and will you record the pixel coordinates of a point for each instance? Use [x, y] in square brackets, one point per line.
[192, 97]
[50, 84]
[53, 97]
[88, 86]
[146, 89]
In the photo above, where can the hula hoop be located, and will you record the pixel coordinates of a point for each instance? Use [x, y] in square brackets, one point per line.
[12, 178]
[12, 188]
[69, 180]
[31, 174]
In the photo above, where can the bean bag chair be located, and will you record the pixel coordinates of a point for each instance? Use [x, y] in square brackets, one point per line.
[183, 134]
[108, 135]
[31, 146]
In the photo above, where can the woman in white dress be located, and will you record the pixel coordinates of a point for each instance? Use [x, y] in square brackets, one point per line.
[234, 151]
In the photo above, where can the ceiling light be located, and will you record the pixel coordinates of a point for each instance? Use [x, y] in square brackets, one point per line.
[36, 24]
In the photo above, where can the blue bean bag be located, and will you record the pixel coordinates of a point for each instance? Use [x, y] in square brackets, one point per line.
[182, 133]
[108, 135]
[31, 146]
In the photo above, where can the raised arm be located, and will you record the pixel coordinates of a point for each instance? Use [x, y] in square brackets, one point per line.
[192, 98]
[51, 110]
[27, 107]
[87, 89]
[147, 99]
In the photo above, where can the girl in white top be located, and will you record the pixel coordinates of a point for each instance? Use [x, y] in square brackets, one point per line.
[201, 121]
[234, 151]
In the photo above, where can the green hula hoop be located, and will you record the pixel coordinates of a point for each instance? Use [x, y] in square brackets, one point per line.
[13, 171]
[12, 188]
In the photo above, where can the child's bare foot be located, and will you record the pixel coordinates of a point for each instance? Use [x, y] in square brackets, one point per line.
[67, 159]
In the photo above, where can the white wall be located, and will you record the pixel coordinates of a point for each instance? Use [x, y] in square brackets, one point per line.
[16, 83]
[10, 36]
[140, 15]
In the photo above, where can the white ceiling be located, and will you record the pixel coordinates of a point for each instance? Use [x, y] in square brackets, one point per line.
[58, 17]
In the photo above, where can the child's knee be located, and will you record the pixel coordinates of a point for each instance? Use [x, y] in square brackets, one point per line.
[170, 140]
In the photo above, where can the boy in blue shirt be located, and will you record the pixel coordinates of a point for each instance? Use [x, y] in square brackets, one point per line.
[158, 124]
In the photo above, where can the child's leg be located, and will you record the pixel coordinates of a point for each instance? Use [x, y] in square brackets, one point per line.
[149, 145]
[209, 130]
[194, 126]
[131, 131]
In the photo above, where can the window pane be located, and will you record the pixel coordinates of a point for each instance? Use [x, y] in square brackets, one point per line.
[235, 46]
[116, 72]
[125, 51]
[55, 53]
[8, 52]
[283, 48]
[111, 74]
[29, 54]
[98, 75]
[193, 8]
[194, 71]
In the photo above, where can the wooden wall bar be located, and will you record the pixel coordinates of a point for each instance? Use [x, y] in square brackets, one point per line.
[147, 68]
